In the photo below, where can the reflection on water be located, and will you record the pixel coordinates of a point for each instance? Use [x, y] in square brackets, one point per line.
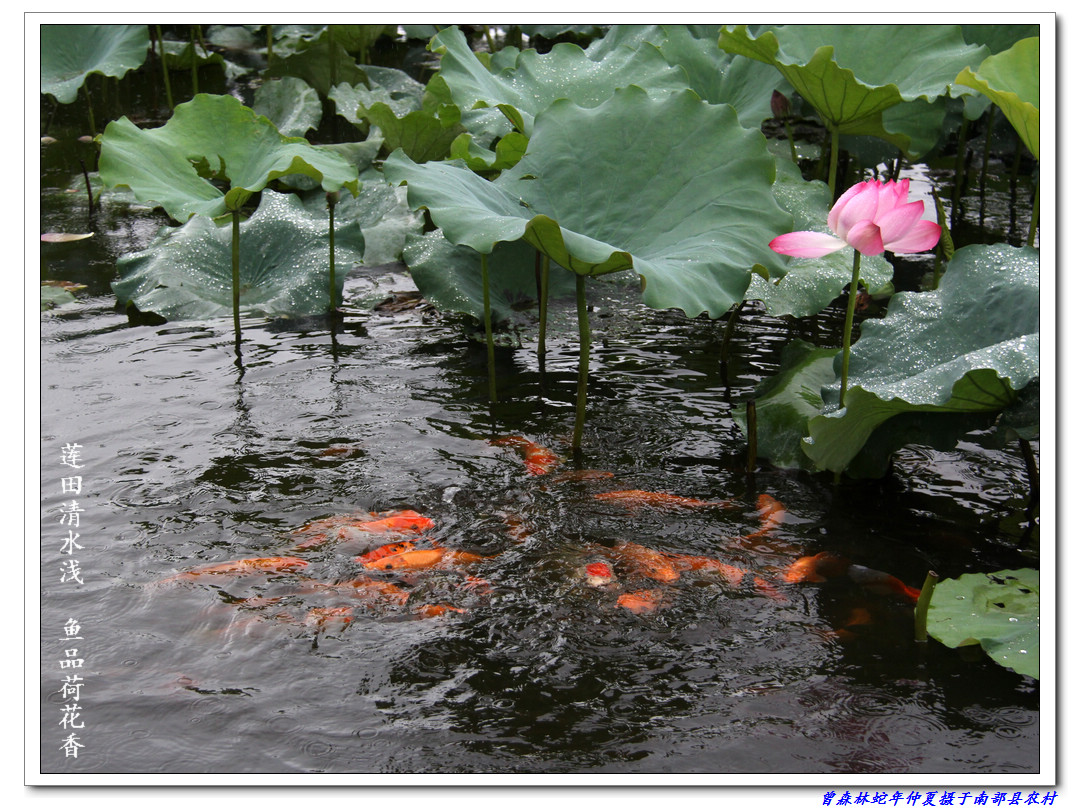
[190, 463]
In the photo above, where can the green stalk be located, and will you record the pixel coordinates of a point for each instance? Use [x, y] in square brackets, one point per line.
[236, 273]
[164, 68]
[791, 140]
[89, 109]
[923, 605]
[269, 44]
[729, 329]
[958, 170]
[583, 361]
[849, 320]
[487, 328]
[545, 269]
[985, 163]
[834, 157]
[1034, 224]
[331, 200]
[194, 65]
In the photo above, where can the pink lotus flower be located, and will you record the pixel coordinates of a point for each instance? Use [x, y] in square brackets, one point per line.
[872, 217]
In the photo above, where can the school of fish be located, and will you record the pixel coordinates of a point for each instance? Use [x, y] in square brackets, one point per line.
[390, 568]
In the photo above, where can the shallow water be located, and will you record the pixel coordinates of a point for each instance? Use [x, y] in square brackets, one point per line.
[191, 459]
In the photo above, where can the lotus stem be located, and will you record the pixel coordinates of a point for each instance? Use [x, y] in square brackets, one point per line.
[545, 270]
[791, 140]
[1034, 224]
[923, 605]
[729, 329]
[269, 44]
[1032, 469]
[236, 273]
[849, 320]
[958, 170]
[333, 63]
[164, 68]
[985, 164]
[834, 157]
[331, 200]
[490, 39]
[194, 65]
[583, 361]
[489, 338]
[89, 109]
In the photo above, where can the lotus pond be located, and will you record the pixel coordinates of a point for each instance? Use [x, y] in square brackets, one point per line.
[327, 280]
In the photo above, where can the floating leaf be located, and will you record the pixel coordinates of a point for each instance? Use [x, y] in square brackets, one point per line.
[185, 273]
[689, 207]
[212, 137]
[967, 347]
[69, 53]
[999, 611]
[1011, 80]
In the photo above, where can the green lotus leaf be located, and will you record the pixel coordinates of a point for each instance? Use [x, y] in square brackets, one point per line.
[688, 207]
[537, 80]
[291, 104]
[807, 286]
[852, 74]
[212, 138]
[999, 611]
[508, 151]
[70, 53]
[448, 276]
[1011, 80]
[186, 273]
[785, 402]
[383, 214]
[394, 88]
[716, 76]
[186, 55]
[967, 347]
[998, 37]
[52, 297]
[420, 134]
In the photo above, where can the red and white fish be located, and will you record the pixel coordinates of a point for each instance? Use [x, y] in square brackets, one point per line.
[243, 568]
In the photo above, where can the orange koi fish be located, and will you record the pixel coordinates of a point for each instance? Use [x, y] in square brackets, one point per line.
[772, 515]
[824, 566]
[817, 568]
[633, 498]
[376, 592]
[320, 617]
[640, 601]
[881, 583]
[342, 528]
[538, 460]
[241, 568]
[648, 562]
[423, 558]
[386, 551]
[342, 449]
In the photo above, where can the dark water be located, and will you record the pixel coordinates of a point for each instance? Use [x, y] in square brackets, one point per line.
[191, 460]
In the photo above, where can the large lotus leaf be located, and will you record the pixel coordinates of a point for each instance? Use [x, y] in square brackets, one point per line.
[716, 76]
[998, 37]
[810, 285]
[212, 137]
[967, 347]
[672, 187]
[291, 104]
[449, 277]
[1011, 80]
[1000, 611]
[69, 53]
[785, 402]
[382, 212]
[537, 79]
[186, 273]
[851, 74]
[394, 88]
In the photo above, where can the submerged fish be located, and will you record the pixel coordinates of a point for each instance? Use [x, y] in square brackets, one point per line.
[633, 498]
[823, 566]
[772, 515]
[599, 574]
[538, 460]
[343, 528]
[386, 551]
[645, 601]
[240, 568]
